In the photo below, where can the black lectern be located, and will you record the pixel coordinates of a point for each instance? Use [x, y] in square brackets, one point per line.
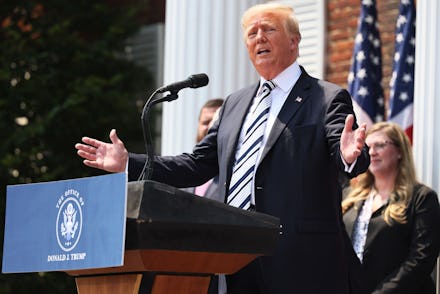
[183, 237]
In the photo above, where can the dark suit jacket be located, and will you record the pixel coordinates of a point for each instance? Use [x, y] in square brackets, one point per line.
[296, 180]
[400, 258]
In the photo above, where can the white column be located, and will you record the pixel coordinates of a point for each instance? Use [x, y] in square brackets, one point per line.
[427, 99]
[427, 94]
[201, 37]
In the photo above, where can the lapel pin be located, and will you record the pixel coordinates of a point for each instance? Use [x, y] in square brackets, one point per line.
[298, 99]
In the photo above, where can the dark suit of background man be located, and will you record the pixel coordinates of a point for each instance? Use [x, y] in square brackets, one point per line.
[310, 136]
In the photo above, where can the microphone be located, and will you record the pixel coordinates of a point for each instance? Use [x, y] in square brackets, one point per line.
[193, 81]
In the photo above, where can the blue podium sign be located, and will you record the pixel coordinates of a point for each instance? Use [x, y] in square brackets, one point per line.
[65, 225]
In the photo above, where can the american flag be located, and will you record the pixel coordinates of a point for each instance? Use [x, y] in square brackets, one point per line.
[364, 79]
[402, 79]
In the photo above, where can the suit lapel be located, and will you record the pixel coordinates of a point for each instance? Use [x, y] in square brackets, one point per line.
[376, 223]
[297, 97]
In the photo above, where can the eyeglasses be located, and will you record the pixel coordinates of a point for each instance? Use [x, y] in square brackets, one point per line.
[380, 145]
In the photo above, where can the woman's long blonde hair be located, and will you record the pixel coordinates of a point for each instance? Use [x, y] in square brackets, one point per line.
[405, 179]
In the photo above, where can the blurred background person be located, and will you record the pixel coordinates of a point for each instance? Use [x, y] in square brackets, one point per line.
[392, 219]
[206, 118]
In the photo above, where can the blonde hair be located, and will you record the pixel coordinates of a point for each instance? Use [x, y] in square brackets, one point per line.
[283, 11]
[405, 179]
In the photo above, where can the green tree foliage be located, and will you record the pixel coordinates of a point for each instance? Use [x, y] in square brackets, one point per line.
[61, 77]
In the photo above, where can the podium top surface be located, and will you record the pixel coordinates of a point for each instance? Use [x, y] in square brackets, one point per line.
[160, 216]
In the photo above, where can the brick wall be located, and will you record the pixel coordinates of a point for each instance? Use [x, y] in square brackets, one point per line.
[342, 17]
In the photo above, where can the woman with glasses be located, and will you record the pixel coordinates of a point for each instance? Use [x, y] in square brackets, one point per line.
[392, 219]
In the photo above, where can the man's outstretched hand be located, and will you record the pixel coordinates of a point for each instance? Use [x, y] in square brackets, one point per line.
[111, 157]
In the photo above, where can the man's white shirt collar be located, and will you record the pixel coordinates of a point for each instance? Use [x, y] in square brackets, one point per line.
[287, 78]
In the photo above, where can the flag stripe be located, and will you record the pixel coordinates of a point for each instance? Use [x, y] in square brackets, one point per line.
[402, 80]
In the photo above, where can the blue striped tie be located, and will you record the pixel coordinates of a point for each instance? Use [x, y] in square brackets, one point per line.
[240, 188]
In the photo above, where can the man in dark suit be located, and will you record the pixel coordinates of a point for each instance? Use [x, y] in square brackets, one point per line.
[310, 136]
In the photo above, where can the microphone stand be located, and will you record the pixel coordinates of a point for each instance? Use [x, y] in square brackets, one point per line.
[147, 170]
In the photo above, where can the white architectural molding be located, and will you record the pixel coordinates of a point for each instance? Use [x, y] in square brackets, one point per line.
[426, 133]
[312, 25]
[426, 137]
